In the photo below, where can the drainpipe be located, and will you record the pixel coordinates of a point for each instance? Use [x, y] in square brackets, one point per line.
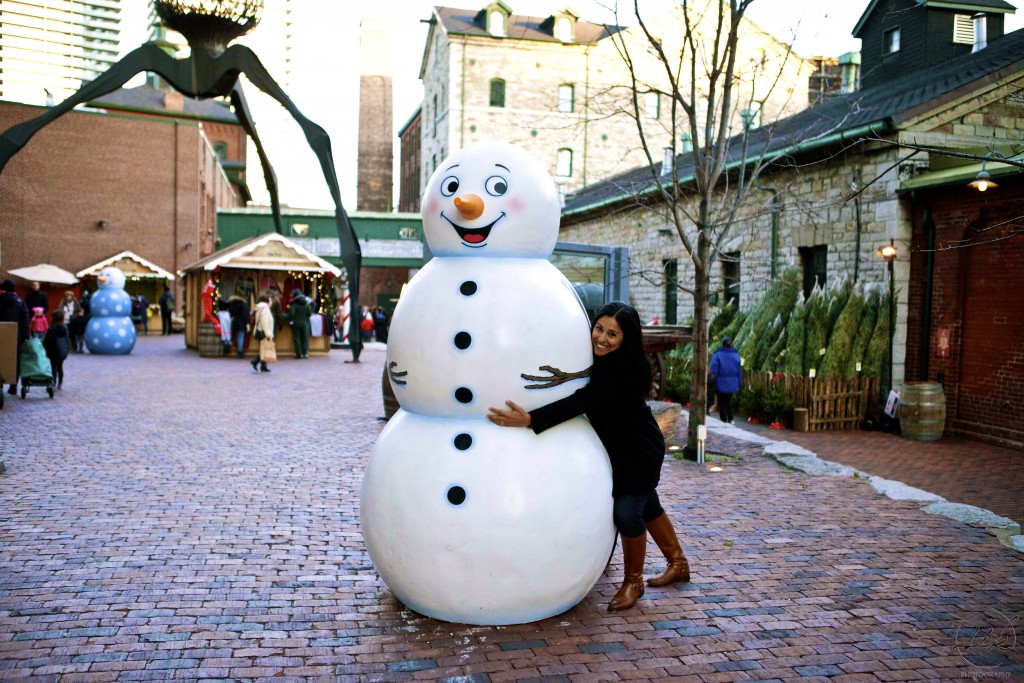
[775, 225]
[856, 252]
[924, 343]
[462, 109]
[586, 113]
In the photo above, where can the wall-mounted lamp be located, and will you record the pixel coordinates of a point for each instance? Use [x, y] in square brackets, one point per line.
[102, 224]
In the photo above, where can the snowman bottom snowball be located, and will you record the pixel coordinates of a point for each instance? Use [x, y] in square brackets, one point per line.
[473, 523]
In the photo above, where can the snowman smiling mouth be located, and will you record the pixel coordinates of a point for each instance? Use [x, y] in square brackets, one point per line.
[473, 237]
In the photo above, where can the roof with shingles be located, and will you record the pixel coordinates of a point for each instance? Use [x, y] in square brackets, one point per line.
[463, 22]
[150, 99]
[999, 6]
[882, 107]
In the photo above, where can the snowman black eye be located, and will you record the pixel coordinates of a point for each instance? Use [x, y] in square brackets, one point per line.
[449, 186]
[496, 186]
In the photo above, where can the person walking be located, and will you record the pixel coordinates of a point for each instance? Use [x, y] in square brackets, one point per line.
[167, 304]
[38, 325]
[72, 311]
[728, 374]
[239, 312]
[37, 298]
[298, 315]
[57, 343]
[615, 403]
[263, 330]
[13, 309]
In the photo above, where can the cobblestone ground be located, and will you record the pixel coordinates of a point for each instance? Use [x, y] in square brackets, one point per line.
[172, 517]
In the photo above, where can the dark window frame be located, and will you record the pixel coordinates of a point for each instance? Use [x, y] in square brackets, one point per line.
[497, 93]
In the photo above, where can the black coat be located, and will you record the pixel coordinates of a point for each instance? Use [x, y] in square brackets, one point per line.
[13, 309]
[615, 402]
[239, 312]
[37, 299]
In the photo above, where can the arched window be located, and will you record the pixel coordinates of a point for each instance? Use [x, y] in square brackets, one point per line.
[563, 29]
[497, 92]
[496, 23]
[563, 163]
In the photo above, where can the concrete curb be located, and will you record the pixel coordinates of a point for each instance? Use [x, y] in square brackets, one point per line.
[799, 458]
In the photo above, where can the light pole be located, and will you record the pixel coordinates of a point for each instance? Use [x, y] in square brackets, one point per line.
[888, 253]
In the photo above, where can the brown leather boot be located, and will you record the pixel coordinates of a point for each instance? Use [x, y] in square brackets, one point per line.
[633, 551]
[665, 536]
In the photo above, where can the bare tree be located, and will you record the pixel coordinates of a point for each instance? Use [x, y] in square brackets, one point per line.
[706, 79]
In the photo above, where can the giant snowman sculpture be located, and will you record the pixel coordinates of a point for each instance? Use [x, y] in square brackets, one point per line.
[466, 521]
[110, 330]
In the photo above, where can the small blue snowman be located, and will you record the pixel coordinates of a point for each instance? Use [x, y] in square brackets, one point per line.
[110, 331]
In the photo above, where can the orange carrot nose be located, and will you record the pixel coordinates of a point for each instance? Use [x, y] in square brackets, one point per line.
[470, 206]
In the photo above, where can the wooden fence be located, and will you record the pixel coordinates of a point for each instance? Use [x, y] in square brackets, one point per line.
[832, 404]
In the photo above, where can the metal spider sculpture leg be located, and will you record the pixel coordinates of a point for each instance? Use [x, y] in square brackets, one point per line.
[202, 76]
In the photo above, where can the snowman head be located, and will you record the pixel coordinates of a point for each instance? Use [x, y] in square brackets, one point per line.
[491, 199]
[110, 278]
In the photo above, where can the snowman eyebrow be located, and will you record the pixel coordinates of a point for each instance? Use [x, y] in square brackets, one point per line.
[504, 167]
[450, 167]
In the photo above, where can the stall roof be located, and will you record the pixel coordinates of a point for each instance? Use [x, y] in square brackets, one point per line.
[265, 252]
[132, 265]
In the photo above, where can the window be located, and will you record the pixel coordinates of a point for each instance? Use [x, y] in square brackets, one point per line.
[566, 98]
[497, 92]
[671, 270]
[815, 263]
[963, 29]
[563, 165]
[563, 29]
[652, 105]
[891, 41]
[731, 277]
[220, 148]
[496, 23]
[435, 116]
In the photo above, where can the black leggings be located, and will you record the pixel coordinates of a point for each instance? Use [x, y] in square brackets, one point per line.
[631, 513]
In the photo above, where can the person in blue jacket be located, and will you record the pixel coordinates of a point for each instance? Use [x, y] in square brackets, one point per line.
[725, 366]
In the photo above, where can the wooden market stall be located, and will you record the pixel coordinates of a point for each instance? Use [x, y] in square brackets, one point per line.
[266, 264]
[141, 277]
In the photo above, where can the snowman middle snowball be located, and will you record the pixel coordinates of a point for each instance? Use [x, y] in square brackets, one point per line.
[466, 521]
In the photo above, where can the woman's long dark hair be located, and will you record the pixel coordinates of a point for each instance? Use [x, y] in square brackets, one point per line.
[632, 336]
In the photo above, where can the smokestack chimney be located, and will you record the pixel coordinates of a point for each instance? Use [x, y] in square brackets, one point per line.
[850, 65]
[667, 160]
[980, 32]
[374, 175]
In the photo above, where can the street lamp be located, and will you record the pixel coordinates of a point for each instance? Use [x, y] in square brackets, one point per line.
[888, 254]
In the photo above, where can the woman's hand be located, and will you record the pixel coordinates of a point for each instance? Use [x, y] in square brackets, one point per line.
[513, 417]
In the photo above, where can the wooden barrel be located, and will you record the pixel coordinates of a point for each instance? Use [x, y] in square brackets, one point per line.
[390, 400]
[922, 411]
[210, 344]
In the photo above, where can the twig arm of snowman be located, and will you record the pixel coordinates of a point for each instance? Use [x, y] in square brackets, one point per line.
[397, 377]
[555, 377]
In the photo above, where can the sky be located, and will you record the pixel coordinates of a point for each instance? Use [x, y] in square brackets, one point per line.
[817, 27]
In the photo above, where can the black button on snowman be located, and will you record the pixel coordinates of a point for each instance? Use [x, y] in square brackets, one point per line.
[466, 521]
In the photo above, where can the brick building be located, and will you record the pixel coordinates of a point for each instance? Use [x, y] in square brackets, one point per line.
[145, 175]
[959, 313]
[409, 165]
[558, 87]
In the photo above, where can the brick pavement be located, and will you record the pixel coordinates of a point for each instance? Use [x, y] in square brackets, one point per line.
[171, 517]
[962, 471]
